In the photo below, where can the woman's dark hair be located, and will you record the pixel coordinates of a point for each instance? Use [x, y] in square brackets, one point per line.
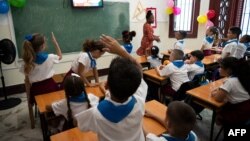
[240, 68]
[92, 45]
[73, 86]
[149, 14]
[128, 36]
[198, 54]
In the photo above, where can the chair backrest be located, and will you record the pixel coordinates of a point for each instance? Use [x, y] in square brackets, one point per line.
[200, 79]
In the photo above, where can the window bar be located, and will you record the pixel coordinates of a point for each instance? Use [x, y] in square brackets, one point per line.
[248, 18]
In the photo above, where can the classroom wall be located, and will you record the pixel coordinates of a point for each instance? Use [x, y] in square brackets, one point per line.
[14, 77]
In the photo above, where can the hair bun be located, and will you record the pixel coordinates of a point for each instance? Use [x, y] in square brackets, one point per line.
[132, 33]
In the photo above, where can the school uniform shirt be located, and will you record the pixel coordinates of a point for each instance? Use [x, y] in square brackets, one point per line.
[61, 108]
[177, 72]
[179, 44]
[234, 48]
[85, 60]
[127, 128]
[208, 42]
[236, 92]
[194, 69]
[166, 137]
[44, 70]
[128, 47]
[154, 62]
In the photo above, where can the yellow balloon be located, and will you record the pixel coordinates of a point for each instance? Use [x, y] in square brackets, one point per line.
[169, 10]
[202, 19]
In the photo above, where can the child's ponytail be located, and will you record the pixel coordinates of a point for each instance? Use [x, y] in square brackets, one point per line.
[28, 57]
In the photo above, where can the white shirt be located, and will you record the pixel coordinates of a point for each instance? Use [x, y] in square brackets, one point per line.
[61, 108]
[177, 75]
[152, 137]
[236, 92]
[129, 129]
[234, 48]
[194, 69]
[179, 44]
[84, 59]
[206, 44]
[154, 62]
[43, 71]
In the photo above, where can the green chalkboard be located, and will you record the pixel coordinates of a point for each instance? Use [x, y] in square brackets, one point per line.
[71, 26]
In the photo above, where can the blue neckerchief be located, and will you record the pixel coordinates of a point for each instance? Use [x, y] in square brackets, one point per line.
[41, 57]
[79, 99]
[115, 113]
[180, 41]
[190, 137]
[199, 63]
[178, 63]
[128, 47]
[210, 39]
[92, 60]
[247, 45]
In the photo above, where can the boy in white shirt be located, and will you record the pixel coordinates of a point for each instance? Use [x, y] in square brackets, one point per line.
[180, 121]
[194, 64]
[233, 47]
[176, 71]
[118, 117]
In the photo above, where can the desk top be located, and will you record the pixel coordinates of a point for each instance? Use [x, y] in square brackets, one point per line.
[74, 135]
[47, 99]
[186, 51]
[203, 93]
[152, 73]
[211, 59]
[149, 124]
[141, 59]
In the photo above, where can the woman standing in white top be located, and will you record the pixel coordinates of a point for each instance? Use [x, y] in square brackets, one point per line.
[86, 61]
[38, 65]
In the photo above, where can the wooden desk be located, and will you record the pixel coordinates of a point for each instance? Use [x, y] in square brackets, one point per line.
[74, 135]
[201, 96]
[49, 98]
[152, 76]
[210, 61]
[143, 61]
[149, 124]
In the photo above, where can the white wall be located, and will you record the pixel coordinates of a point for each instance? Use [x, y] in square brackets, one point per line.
[14, 77]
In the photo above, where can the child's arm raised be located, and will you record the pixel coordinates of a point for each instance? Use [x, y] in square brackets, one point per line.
[57, 47]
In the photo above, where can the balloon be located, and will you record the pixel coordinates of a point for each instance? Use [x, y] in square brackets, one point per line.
[210, 14]
[4, 7]
[209, 23]
[176, 10]
[169, 10]
[202, 19]
[17, 3]
[170, 3]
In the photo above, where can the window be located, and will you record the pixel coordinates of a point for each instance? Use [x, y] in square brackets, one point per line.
[245, 20]
[187, 19]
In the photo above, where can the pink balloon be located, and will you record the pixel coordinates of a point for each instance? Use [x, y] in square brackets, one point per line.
[209, 23]
[176, 10]
[170, 3]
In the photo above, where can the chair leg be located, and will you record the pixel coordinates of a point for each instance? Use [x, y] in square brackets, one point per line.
[217, 136]
[31, 114]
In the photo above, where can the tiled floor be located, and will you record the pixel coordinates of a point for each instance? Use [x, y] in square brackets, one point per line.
[15, 125]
